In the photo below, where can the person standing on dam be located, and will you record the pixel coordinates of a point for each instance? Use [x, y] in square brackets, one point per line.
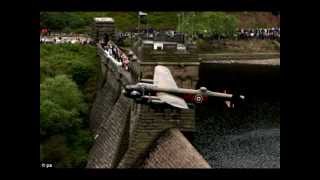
[105, 40]
[110, 50]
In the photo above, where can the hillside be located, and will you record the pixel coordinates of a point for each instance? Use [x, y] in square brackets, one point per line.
[127, 21]
[256, 19]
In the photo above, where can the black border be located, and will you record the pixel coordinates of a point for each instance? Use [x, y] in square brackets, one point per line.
[163, 5]
[160, 173]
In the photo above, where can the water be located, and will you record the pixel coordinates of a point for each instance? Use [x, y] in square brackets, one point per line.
[248, 139]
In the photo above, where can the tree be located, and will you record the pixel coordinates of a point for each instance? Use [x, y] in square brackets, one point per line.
[56, 151]
[209, 24]
[67, 151]
[64, 135]
[64, 139]
[81, 73]
[72, 59]
[79, 142]
[61, 105]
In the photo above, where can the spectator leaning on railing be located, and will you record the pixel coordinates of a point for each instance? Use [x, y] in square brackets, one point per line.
[115, 52]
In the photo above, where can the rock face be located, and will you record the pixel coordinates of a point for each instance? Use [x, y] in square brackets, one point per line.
[173, 150]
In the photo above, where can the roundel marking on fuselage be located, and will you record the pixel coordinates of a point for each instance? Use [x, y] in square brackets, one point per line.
[198, 98]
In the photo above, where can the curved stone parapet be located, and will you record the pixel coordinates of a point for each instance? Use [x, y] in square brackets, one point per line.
[173, 150]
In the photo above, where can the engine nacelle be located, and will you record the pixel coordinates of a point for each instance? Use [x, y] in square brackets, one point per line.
[135, 93]
[203, 89]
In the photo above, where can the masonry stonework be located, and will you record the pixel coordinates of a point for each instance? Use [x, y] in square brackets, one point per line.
[173, 150]
[148, 125]
[109, 136]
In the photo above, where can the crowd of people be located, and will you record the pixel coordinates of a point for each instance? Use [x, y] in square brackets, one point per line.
[260, 33]
[67, 39]
[252, 33]
[112, 50]
[48, 37]
[149, 34]
[130, 35]
[165, 35]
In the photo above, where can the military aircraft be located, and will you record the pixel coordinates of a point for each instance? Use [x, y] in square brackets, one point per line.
[164, 90]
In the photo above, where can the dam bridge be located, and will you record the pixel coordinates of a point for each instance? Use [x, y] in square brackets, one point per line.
[130, 135]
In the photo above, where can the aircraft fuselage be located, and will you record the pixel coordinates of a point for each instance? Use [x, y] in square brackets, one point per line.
[148, 92]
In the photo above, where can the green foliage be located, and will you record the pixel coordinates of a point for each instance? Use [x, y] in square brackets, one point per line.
[81, 22]
[75, 60]
[65, 21]
[45, 70]
[67, 151]
[163, 20]
[55, 89]
[80, 142]
[61, 104]
[56, 151]
[54, 119]
[210, 24]
[68, 74]
[80, 73]
[65, 139]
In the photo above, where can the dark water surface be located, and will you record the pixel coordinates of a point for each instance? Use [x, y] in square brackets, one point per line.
[249, 136]
[240, 139]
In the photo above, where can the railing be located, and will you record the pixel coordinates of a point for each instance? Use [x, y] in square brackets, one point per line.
[116, 55]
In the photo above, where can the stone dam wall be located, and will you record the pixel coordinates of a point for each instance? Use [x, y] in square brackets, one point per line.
[110, 136]
[173, 150]
[147, 126]
[125, 131]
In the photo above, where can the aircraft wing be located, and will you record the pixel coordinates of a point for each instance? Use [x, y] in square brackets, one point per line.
[163, 78]
[173, 100]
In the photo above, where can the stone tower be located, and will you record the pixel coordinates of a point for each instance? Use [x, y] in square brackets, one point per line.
[103, 25]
